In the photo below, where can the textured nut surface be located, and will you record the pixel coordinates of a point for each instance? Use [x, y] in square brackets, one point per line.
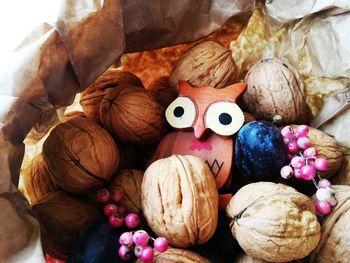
[129, 180]
[206, 64]
[61, 216]
[92, 96]
[37, 180]
[274, 88]
[133, 115]
[273, 222]
[80, 155]
[243, 258]
[343, 175]
[335, 239]
[178, 255]
[180, 200]
[327, 148]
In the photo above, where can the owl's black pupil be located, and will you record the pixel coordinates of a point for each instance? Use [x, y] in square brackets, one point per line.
[179, 111]
[225, 118]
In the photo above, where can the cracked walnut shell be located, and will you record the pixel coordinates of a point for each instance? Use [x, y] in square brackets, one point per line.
[80, 155]
[180, 200]
[273, 222]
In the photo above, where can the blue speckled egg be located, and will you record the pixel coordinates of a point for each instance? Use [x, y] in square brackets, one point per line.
[259, 151]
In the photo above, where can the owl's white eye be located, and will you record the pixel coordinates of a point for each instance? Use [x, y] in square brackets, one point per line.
[224, 118]
[181, 113]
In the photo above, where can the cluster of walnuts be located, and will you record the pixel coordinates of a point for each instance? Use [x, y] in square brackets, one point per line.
[121, 123]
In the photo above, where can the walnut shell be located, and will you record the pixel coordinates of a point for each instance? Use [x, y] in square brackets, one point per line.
[133, 115]
[180, 200]
[343, 175]
[327, 148]
[177, 255]
[335, 238]
[81, 156]
[206, 64]
[129, 180]
[274, 88]
[61, 217]
[244, 258]
[92, 96]
[161, 90]
[37, 180]
[273, 222]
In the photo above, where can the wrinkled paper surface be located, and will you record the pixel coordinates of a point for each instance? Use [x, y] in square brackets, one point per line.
[57, 49]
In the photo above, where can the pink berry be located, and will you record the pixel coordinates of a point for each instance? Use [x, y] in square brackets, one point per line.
[110, 209]
[140, 238]
[302, 130]
[125, 253]
[287, 132]
[103, 195]
[321, 164]
[132, 220]
[322, 207]
[310, 152]
[332, 201]
[324, 183]
[297, 162]
[311, 163]
[286, 172]
[303, 142]
[292, 147]
[117, 194]
[147, 254]
[116, 220]
[137, 250]
[286, 140]
[126, 239]
[307, 172]
[297, 173]
[160, 244]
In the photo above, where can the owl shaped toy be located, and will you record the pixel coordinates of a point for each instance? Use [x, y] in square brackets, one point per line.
[206, 118]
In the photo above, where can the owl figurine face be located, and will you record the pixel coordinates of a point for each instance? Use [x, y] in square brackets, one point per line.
[206, 108]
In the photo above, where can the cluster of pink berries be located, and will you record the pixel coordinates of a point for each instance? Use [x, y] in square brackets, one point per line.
[304, 164]
[137, 243]
[133, 243]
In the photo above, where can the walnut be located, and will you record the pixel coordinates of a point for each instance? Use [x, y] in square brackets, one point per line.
[80, 156]
[133, 115]
[273, 222]
[162, 91]
[37, 180]
[274, 90]
[343, 175]
[178, 255]
[129, 180]
[335, 238]
[243, 258]
[180, 200]
[92, 96]
[206, 64]
[327, 148]
[61, 217]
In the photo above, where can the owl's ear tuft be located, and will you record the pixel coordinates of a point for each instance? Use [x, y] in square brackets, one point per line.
[237, 89]
[184, 86]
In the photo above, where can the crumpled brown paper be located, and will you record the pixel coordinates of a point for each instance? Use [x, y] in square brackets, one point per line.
[63, 54]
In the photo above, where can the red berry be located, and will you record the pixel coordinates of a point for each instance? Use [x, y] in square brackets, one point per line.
[321, 164]
[132, 220]
[103, 195]
[140, 238]
[160, 244]
[126, 239]
[292, 147]
[117, 194]
[121, 210]
[116, 220]
[323, 207]
[307, 172]
[125, 253]
[110, 209]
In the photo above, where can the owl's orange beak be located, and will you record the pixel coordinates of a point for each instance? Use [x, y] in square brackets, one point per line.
[199, 129]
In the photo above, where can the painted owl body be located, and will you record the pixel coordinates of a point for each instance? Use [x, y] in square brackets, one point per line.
[206, 119]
